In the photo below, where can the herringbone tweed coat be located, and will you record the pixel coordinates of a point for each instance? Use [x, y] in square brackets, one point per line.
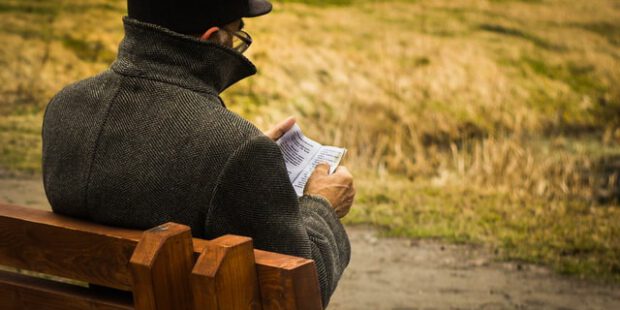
[150, 141]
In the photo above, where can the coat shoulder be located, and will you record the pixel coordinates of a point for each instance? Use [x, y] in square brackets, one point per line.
[89, 88]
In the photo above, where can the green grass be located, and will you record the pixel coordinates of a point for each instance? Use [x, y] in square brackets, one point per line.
[571, 236]
[21, 143]
[89, 51]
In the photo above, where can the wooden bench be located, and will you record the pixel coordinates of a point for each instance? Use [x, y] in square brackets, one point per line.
[103, 267]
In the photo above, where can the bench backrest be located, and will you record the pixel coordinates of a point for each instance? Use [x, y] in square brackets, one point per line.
[161, 268]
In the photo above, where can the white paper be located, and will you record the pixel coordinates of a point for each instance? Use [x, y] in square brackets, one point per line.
[302, 155]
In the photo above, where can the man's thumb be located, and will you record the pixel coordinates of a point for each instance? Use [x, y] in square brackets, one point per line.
[322, 168]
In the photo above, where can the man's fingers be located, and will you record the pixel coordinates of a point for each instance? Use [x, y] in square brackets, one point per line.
[280, 129]
[343, 172]
[283, 127]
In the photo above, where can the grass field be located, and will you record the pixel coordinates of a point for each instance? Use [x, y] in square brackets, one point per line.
[489, 122]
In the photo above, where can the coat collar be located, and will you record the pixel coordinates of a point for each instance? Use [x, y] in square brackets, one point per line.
[153, 52]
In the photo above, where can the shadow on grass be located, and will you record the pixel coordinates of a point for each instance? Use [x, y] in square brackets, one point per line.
[605, 29]
[516, 33]
[90, 51]
[608, 172]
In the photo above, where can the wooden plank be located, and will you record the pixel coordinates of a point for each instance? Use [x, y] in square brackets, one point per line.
[23, 292]
[287, 282]
[224, 276]
[52, 219]
[44, 242]
[161, 266]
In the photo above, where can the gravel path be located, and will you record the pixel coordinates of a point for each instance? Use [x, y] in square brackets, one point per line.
[404, 274]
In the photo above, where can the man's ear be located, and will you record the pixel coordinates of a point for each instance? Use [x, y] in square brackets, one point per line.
[207, 35]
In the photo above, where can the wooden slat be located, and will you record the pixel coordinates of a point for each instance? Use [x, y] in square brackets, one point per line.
[161, 266]
[23, 292]
[48, 243]
[287, 282]
[224, 276]
[284, 281]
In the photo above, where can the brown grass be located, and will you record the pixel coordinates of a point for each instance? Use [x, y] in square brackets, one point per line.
[482, 121]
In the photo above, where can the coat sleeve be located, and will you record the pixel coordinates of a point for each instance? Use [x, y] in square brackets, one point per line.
[255, 198]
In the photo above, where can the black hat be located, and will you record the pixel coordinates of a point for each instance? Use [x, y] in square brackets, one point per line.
[194, 16]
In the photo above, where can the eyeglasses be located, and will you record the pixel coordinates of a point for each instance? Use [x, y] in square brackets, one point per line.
[241, 40]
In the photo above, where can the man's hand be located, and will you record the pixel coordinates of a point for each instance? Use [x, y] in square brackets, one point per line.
[280, 129]
[337, 187]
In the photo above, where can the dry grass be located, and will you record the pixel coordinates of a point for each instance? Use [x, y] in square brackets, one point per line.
[495, 122]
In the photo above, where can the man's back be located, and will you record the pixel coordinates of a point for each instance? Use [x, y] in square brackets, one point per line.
[139, 145]
[150, 141]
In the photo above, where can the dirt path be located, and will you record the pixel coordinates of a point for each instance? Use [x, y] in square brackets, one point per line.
[401, 274]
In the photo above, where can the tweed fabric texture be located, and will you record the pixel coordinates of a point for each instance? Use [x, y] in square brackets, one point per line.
[149, 141]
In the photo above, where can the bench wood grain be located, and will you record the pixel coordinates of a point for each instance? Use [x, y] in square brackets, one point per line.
[149, 263]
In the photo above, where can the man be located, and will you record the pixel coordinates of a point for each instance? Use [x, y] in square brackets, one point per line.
[150, 141]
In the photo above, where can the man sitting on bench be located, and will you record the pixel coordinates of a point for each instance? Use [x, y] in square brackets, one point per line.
[149, 141]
